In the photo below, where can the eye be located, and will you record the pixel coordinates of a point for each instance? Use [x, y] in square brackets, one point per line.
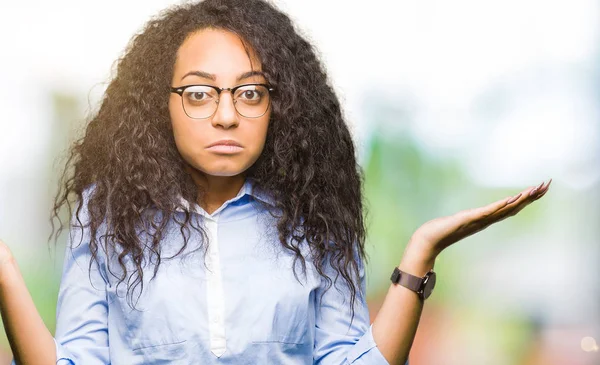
[250, 94]
[199, 94]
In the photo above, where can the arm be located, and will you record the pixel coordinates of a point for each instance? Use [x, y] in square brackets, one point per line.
[337, 341]
[396, 323]
[82, 311]
[29, 338]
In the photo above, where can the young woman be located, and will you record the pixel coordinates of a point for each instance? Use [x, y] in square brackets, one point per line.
[219, 215]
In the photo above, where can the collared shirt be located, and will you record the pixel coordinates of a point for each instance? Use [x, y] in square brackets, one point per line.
[244, 307]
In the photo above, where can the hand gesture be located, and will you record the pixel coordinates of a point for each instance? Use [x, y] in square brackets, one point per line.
[437, 234]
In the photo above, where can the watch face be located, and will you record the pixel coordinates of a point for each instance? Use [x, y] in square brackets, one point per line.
[429, 285]
[395, 275]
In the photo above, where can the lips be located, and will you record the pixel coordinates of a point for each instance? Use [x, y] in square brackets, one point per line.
[225, 142]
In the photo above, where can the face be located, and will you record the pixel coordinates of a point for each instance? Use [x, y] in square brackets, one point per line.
[217, 57]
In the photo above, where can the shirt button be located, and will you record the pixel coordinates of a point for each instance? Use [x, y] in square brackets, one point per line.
[216, 319]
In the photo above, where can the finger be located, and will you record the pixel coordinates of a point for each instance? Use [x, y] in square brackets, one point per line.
[527, 194]
[527, 197]
[543, 191]
[499, 210]
[535, 190]
[477, 214]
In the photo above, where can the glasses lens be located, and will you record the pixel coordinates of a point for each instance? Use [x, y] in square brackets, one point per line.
[200, 101]
[251, 101]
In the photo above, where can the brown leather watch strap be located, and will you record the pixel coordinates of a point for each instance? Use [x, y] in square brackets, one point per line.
[407, 280]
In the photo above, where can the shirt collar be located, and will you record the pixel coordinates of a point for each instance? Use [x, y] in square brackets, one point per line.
[249, 188]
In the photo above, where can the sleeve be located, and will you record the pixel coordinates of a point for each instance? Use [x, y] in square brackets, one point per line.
[81, 335]
[337, 341]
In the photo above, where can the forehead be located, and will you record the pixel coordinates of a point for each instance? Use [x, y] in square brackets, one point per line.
[215, 51]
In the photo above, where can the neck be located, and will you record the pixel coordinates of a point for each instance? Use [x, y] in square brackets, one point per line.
[217, 189]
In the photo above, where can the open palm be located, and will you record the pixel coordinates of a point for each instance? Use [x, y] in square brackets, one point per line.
[439, 233]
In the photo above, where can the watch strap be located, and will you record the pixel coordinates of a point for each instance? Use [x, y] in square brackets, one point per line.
[407, 280]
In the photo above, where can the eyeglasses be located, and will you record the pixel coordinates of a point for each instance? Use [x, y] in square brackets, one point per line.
[201, 101]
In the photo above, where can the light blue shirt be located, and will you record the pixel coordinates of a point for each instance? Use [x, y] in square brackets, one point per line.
[246, 308]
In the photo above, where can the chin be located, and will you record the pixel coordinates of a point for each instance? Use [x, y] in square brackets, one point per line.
[222, 166]
[224, 171]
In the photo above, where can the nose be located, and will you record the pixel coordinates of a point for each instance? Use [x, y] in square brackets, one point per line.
[226, 116]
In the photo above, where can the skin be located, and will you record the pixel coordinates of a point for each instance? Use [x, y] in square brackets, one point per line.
[222, 54]
[396, 323]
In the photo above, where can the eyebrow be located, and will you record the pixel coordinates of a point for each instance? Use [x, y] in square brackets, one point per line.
[212, 77]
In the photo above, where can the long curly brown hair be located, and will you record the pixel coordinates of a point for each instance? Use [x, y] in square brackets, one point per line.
[128, 153]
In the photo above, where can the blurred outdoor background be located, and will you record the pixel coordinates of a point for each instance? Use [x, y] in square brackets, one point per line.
[453, 105]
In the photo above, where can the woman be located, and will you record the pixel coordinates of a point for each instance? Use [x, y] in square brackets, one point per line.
[219, 213]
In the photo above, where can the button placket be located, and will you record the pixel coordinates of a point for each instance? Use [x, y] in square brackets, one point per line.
[214, 293]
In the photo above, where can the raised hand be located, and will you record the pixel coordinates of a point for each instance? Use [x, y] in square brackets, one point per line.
[437, 234]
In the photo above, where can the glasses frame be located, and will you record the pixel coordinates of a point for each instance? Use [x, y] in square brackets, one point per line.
[180, 90]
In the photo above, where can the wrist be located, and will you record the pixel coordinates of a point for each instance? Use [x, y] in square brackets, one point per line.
[416, 268]
[417, 259]
[8, 271]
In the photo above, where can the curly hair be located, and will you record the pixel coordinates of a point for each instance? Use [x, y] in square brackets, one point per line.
[308, 163]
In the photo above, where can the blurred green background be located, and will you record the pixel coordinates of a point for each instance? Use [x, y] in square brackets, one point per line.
[452, 106]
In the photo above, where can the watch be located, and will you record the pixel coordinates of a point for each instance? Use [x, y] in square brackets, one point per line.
[422, 286]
